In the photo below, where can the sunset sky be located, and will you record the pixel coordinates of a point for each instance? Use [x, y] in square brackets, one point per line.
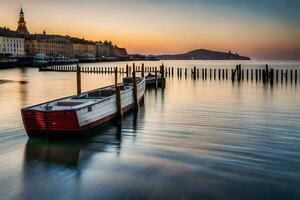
[261, 29]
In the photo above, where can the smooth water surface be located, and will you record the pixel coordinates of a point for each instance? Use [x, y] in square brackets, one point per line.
[201, 139]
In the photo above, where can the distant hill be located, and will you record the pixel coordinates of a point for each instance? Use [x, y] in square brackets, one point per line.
[203, 54]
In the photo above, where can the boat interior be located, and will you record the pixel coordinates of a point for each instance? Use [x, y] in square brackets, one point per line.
[86, 98]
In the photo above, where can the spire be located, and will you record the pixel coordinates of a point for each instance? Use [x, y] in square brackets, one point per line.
[22, 23]
[21, 12]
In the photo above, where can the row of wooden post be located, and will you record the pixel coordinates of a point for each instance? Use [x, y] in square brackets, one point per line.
[117, 89]
[237, 74]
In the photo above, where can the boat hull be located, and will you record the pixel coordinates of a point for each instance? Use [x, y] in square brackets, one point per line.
[77, 121]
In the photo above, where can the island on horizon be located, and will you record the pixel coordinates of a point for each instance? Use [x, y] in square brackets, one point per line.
[204, 54]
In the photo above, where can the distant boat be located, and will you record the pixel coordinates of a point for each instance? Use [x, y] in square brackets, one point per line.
[62, 60]
[40, 60]
[150, 79]
[76, 114]
[151, 58]
[87, 58]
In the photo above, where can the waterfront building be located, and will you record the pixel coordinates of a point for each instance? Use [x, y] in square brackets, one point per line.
[103, 50]
[51, 46]
[106, 49]
[22, 29]
[82, 48]
[11, 43]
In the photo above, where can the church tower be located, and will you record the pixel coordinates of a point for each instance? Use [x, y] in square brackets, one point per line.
[22, 24]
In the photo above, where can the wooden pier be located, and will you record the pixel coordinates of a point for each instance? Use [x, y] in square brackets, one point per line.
[235, 74]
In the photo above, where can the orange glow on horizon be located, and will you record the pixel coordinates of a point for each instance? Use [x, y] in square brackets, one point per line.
[167, 29]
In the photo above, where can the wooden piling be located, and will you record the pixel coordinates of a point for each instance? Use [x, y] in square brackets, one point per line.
[242, 71]
[162, 76]
[78, 78]
[256, 75]
[143, 70]
[271, 76]
[118, 96]
[156, 82]
[267, 72]
[223, 74]
[127, 70]
[264, 75]
[214, 74]
[226, 71]
[134, 89]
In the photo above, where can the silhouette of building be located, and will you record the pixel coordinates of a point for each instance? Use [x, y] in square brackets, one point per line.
[22, 29]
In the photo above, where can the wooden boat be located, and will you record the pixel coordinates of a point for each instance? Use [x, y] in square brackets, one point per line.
[150, 79]
[76, 114]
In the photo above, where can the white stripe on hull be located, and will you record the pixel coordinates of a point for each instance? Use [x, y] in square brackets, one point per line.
[108, 107]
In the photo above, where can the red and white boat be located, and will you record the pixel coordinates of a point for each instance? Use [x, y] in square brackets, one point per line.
[78, 113]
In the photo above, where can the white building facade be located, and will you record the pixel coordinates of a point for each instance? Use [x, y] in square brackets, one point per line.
[12, 45]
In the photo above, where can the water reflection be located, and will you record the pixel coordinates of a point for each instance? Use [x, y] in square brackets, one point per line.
[23, 87]
[71, 152]
[197, 139]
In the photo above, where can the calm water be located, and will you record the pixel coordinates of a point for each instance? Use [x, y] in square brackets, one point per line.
[194, 140]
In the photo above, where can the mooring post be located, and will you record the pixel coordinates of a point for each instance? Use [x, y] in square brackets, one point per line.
[264, 75]
[240, 72]
[156, 82]
[135, 95]
[215, 74]
[162, 76]
[78, 78]
[267, 72]
[118, 96]
[223, 74]
[127, 70]
[143, 70]
[195, 73]
[272, 76]
[243, 74]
